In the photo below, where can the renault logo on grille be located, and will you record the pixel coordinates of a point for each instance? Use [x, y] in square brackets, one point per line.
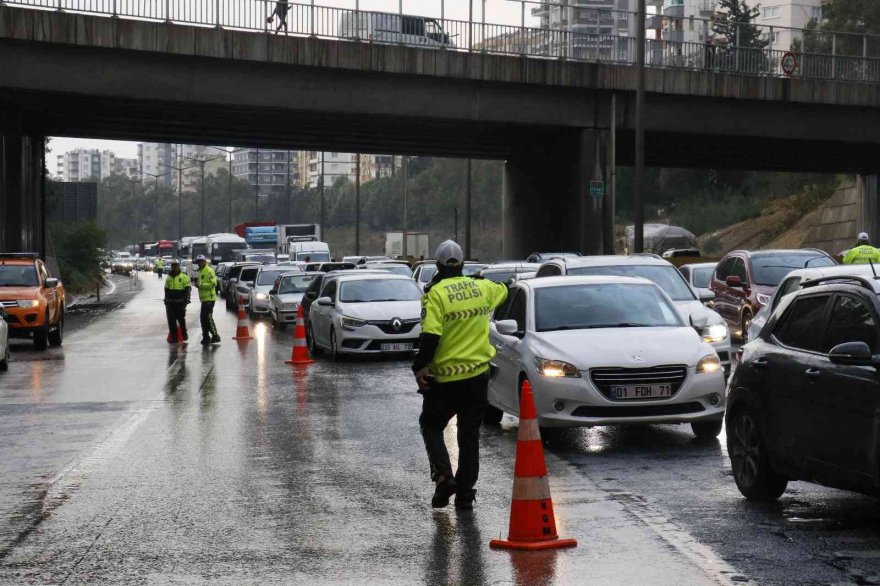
[396, 324]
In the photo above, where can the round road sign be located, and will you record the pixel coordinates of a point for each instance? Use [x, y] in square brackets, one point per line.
[789, 63]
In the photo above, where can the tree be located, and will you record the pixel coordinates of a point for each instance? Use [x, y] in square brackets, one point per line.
[852, 18]
[735, 25]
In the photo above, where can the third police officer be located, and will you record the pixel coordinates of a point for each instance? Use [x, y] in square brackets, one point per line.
[862, 253]
[207, 285]
[452, 371]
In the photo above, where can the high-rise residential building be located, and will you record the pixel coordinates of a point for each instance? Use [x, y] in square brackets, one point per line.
[334, 166]
[86, 164]
[600, 29]
[158, 159]
[338, 165]
[688, 21]
[786, 15]
[189, 155]
[127, 167]
[267, 171]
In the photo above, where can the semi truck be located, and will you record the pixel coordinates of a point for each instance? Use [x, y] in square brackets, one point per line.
[417, 244]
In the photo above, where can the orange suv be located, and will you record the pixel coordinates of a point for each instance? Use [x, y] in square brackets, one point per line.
[33, 301]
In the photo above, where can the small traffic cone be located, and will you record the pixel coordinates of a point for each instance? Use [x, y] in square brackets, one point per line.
[242, 332]
[300, 353]
[532, 522]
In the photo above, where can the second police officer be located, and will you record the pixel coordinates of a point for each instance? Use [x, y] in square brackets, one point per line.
[452, 371]
[207, 285]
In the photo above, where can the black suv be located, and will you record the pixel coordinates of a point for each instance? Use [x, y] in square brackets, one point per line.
[805, 401]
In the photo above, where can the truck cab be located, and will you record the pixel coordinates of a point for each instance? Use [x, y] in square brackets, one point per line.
[33, 300]
[309, 251]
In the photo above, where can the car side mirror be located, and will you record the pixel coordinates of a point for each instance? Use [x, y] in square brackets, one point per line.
[699, 322]
[273, 291]
[507, 327]
[852, 354]
[324, 302]
[706, 296]
[734, 281]
[249, 283]
[52, 283]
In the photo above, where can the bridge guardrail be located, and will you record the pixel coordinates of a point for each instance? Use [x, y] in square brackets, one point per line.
[597, 37]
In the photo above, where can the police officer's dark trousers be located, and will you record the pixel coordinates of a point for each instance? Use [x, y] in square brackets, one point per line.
[467, 401]
[175, 311]
[206, 319]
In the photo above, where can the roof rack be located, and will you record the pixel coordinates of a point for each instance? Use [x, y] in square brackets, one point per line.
[862, 281]
[34, 255]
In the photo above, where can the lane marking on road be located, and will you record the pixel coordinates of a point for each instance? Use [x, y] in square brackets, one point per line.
[112, 287]
[59, 488]
[680, 540]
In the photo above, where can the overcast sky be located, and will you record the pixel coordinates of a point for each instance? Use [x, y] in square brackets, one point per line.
[497, 12]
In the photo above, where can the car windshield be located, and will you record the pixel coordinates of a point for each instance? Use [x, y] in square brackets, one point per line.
[471, 270]
[427, 274]
[295, 284]
[612, 305]
[313, 256]
[267, 277]
[702, 277]
[396, 269]
[18, 276]
[248, 274]
[500, 276]
[666, 276]
[367, 290]
[769, 270]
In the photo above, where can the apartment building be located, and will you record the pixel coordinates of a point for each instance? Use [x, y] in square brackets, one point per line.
[778, 18]
[127, 168]
[267, 171]
[157, 161]
[85, 164]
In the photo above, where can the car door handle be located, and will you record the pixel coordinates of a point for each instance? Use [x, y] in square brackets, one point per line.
[760, 363]
[813, 373]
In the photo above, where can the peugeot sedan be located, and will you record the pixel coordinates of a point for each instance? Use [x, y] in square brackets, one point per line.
[286, 296]
[603, 351]
[365, 313]
[258, 296]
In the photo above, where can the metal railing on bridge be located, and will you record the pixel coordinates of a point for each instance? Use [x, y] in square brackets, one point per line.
[589, 34]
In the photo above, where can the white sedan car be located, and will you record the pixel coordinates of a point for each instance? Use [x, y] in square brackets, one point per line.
[4, 342]
[603, 351]
[258, 296]
[365, 313]
[285, 297]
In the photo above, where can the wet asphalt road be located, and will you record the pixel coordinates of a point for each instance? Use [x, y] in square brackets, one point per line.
[126, 460]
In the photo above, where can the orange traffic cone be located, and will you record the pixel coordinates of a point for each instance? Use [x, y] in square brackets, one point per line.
[532, 523]
[242, 332]
[300, 353]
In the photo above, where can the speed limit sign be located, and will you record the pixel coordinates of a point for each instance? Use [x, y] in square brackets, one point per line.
[789, 63]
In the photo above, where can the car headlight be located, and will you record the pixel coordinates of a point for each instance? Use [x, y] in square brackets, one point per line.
[763, 299]
[715, 333]
[289, 306]
[28, 303]
[351, 323]
[556, 368]
[708, 364]
[262, 296]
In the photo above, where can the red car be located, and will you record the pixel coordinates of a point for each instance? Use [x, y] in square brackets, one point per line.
[744, 281]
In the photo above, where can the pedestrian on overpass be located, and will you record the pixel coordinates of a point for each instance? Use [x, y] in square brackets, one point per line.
[160, 268]
[177, 294]
[862, 253]
[281, 9]
[206, 281]
[452, 371]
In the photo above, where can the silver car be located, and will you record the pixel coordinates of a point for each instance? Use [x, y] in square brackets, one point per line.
[698, 276]
[258, 295]
[603, 350]
[286, 296]
[4, 342]
[365, 313]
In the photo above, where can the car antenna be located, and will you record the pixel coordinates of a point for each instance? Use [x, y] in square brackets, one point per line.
[873, 270]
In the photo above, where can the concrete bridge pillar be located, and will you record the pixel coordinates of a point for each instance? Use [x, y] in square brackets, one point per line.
[22, 214]
[547, 205]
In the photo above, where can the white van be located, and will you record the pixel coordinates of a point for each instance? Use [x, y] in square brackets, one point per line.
[309, 251]
[383, 27]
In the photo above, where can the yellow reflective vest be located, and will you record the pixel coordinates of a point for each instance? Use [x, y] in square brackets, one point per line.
[207, 284]
[862, 255]
[458, 310]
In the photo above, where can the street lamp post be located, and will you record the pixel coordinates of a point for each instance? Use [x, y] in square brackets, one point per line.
[200, 161]
[639, 239]
[467, 210]
[231, 154]
[357, 206]
[156, 203]
[405, 197]
[322, 180]
[180, 169]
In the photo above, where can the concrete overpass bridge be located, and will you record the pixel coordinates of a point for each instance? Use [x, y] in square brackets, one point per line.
[558, 123]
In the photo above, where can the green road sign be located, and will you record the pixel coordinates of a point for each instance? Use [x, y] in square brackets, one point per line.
[597, 189]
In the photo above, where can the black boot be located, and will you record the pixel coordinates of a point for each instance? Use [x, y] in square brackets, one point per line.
[464, 498]
[445, 489]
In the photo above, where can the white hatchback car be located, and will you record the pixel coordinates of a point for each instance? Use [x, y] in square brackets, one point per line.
[4, 342]
[360, 312]
[603, 351]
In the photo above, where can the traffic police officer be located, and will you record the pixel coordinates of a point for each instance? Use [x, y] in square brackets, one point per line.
[177, 293]
[207, 285]
[862, 253]
[160, 267]
[452, 371]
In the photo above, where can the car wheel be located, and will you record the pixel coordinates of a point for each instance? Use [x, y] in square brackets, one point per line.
[334, 349]
[314, 350]
[707, 429]
[41, 336]
[752, 471]
[746, 324]
[492, 415]
[56, 336]
[4, 364]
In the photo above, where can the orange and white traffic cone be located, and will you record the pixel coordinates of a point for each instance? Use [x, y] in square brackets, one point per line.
[300, 353]
[532, 522]
[242, 332]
